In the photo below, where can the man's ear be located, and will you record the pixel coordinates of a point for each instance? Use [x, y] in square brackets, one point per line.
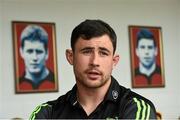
[21, 52]
[137, 52]
[69, 56]
[47, 54]
[115, 60]
[156, 51]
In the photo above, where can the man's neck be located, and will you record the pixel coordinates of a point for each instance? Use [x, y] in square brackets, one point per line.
[146, 71]
[37, 77]
[90, 98]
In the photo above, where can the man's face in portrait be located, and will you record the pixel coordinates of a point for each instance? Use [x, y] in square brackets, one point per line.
[34, 55]
[146, 52]
[93, 61]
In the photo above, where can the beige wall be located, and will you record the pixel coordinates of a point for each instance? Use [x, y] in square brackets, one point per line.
[67, 14]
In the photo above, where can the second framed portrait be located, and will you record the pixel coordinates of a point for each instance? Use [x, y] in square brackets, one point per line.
[146, 50]
[35, 57]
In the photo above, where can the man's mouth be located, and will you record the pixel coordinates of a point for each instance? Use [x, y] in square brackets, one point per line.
[147, 58]
[93, 74]
[34, 65]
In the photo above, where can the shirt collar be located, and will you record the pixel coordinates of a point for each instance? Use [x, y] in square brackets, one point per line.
[113, 91]
[111, 95]
[71, 97]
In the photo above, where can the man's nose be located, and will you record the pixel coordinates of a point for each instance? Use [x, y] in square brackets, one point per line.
[34, 56]
[146, 51]
[94, 60]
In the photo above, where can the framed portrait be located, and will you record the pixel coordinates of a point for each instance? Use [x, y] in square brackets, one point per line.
[146, 53]
[35, 57]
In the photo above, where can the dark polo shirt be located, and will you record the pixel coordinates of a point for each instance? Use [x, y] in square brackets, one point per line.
[45, 84]
[154, 79]
[119, 103]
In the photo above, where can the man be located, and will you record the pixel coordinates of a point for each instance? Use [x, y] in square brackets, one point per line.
[34, 51]
[148, 73]
[96, 95]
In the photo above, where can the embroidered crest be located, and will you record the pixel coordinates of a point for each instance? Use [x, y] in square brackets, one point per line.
[115, 94]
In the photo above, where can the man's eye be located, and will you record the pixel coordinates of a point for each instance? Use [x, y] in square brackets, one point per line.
[29, 51]
[142, 47]
[86, 51]
[150, 47]
[39, 51]
[102, 53]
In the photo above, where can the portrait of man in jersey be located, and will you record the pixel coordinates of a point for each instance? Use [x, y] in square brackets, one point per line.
[146, 56]
[35, 57]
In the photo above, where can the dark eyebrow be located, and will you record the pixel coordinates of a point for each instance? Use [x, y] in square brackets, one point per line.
[87, 48]
[104, 49]
[91, 48]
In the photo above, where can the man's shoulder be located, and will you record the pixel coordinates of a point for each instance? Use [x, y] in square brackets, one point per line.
[126, 93]
[128, 96]
[45, 110]
[60, 100]
[137, 97]
[133, 105]
[136, 106]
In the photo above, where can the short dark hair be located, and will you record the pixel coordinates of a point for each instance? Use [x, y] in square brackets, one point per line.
[93, 28]
[147, 34]
[34, 33]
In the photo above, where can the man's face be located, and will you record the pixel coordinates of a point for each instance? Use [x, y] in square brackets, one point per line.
[34, 55]
[93, 61]
[146, 51]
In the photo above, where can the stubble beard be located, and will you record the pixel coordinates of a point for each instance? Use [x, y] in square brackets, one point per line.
[83, 80]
